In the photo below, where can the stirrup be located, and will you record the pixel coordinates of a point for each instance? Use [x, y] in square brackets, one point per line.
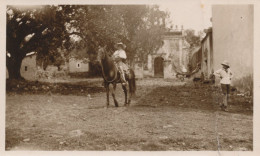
[123, 81]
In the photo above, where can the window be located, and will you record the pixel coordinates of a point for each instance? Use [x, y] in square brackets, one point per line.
[25, 68]
[78, 65]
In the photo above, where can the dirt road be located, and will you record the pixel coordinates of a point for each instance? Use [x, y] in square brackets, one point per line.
[164, 115]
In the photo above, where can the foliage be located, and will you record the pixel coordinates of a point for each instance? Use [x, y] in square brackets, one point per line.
[71, 28]
[245, 84]
[194, 41]
[191, 38]
[28, 30]
[140, 27]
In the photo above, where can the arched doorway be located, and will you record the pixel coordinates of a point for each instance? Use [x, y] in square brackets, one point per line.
[158, 67]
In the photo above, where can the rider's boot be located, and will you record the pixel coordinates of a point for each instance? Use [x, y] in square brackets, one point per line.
[122, 75]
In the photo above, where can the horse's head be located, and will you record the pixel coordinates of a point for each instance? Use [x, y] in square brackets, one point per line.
[107, 64]
[100, 54]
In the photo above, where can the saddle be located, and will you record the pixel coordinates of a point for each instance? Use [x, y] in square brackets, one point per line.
[124, 66]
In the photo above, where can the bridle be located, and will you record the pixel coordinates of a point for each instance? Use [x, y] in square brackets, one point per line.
[104, 72]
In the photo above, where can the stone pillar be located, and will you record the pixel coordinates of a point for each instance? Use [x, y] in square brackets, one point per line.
[168, 72]
[180, 52]
[149, 62]
[139, 70]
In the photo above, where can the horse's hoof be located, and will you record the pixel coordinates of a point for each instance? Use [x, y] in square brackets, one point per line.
[116, 103]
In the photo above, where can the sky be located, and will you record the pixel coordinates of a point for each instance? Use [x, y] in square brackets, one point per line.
[193, 14]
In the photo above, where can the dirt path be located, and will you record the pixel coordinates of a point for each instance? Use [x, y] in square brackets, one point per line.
[165, 115]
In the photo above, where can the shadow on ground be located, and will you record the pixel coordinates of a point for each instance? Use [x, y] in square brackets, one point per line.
[204, 97]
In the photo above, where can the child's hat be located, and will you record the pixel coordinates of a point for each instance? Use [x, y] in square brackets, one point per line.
[225, 63]
[120, 44]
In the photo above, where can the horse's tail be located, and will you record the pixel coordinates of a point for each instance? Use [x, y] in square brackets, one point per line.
[132, 84]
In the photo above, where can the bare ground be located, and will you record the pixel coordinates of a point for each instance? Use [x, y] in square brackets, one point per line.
[164, 115]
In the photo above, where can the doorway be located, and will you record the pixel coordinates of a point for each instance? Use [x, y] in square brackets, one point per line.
[158, 67]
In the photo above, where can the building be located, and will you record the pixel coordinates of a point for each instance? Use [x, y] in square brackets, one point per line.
[28, 67]
[231, 39]
[78, 65]
[207, 55]
[170, 58]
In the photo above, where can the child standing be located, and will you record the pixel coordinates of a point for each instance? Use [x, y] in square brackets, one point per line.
[225, 74]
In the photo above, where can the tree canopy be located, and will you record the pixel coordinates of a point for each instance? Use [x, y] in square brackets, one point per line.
[192, 38]
[45, 29]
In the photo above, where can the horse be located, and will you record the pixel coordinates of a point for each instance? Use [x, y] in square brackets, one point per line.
[111, 75]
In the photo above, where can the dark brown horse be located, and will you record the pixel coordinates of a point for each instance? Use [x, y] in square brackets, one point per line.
[111, 75]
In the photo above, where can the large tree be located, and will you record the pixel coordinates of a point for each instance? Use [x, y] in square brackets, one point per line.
[41, 30]
[68, 27]
[145, 26]
[192, 38]
[194, 41]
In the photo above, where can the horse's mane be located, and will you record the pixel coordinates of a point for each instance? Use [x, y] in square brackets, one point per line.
[109, 70]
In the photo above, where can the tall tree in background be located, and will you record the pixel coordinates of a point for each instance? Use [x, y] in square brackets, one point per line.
[41, 30]
[140, 27]
[67, 27]
[191, 38]
[145, 34]
[194, 41]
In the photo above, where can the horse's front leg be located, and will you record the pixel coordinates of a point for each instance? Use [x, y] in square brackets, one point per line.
[113, 94]
[107, 91]
[125, 91]
[129, 99]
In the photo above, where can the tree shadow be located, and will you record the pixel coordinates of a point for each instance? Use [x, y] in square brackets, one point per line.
[203, 97]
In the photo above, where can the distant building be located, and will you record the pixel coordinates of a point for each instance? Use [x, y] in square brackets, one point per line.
[207, 54]
[170, 58]
[78, 65]
[29, 67]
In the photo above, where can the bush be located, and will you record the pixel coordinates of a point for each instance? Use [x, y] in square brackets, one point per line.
[245, 84]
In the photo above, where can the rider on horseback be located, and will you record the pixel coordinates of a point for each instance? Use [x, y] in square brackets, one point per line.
[120, 58]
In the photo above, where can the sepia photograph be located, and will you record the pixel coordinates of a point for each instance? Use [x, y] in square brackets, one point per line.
[163, 76]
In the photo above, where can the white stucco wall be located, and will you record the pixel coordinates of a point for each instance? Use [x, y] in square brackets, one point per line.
[28, 67]
[233, 38]
[78, 66]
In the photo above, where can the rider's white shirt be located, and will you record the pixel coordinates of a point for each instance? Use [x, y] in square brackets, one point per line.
[120, 53]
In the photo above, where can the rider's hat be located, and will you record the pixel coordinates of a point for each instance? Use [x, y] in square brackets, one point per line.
[120, 44]
[225, 63]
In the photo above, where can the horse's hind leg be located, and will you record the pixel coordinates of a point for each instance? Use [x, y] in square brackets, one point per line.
[107, 90]
[113, 94]
[125, 91]
[130, 93]
[129, 99]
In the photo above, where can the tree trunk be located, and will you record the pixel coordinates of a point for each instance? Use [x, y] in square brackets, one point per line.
[13, 66]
